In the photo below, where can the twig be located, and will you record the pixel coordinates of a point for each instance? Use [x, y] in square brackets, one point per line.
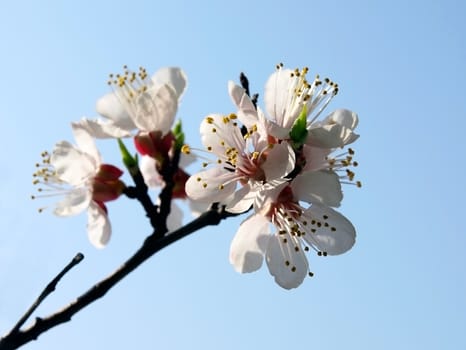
[152, 245]
[45, 293]
[168, 171]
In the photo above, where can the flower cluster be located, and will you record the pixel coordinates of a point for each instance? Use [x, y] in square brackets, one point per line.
[285, 163]
[140, 106]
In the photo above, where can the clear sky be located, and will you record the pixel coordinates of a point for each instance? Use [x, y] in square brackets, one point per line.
[399, 64]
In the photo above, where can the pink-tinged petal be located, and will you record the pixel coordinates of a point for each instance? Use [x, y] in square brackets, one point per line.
[108, 172]
[155, 109]
[288, 265]
[335, 234]
[241, 200]
[318, 187]
[280, 161]
[172, 76]
[315, 158]
[247, 113]
[74, 202]
[71, 165]
[175, 218]
[267, 196]
[213, 185]
[99, 228]
[104, 129]
[277, 94]
[110, 106]
[147, 166]
[85, 142]
[248, 246]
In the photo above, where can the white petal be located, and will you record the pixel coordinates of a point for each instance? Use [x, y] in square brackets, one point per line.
[197, 208]
[343, 117]
[218, 136]
[74, 202]
[330, 136]
[155, 109]
[335, 234]
[86, 142]
[315, 158]
[173, 76]
[149, 172]
[72, 165]
[280, 161]
[103, 129]
[99, 228]
[277, 131]
[267, 195]
[277, 96]
[248, 246]
[247, 113]
[175, 218]
[242, 200]
[318, 187]
[204, 186]
[288, 266]
[111, 107]
[186, 160]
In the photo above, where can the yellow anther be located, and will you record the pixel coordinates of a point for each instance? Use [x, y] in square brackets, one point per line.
[186, 149]
[209, 120]
[232, 116]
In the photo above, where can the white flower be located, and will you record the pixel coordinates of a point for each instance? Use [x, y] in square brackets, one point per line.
[77, 173]
[248, 160]
[296, 229]
[138, 102]
[287, 94]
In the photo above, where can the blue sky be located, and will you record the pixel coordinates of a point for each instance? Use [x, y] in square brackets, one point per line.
[399, 65]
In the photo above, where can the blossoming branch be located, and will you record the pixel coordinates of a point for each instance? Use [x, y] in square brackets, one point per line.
[284, 165]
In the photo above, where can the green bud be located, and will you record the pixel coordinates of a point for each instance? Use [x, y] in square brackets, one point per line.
[299, 131]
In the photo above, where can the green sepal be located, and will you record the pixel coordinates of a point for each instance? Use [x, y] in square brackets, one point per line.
[179, 135]
[129, 161]
[298, 132]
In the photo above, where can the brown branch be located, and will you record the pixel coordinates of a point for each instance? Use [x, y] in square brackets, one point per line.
[47, 290]
[152, 245]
